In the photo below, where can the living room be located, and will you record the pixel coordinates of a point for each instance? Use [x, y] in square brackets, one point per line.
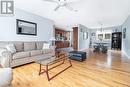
[64, 43]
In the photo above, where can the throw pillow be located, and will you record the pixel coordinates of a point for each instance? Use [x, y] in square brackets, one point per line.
[11, 48]
[46, 46]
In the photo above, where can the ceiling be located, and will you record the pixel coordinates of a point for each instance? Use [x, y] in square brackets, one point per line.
[91, 13]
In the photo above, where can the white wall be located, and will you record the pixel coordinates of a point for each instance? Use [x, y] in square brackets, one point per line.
[8, 27]
[126, 41]
[82, 44]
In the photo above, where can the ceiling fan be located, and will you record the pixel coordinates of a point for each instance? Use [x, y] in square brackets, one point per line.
[62, 3]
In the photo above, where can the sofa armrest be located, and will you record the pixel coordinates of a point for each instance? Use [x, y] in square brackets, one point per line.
[6, 58]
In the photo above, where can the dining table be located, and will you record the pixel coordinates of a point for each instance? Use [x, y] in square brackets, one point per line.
[100, 47]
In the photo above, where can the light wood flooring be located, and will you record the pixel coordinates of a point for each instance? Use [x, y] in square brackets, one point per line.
[99, 70]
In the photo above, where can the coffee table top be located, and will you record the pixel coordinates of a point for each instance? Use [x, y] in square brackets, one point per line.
[45, 61]
[49, 60]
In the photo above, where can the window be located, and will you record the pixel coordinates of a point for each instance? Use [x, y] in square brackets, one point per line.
[85, 35]
[104, 36]
[107, 36]
[100, 36]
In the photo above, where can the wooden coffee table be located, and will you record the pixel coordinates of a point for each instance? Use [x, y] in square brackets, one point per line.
[50, 61]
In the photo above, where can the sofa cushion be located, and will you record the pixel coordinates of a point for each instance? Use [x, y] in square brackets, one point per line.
[19, 46]
[39, 45]
[19, 55]
[46, 51]
[36, 52]
[29, 46]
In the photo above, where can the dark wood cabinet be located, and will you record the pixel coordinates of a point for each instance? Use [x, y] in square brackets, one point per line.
[60, 34]
[62, 44]
[116, 40]
[61, 38]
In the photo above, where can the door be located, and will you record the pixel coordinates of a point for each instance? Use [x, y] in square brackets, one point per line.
[75, 38]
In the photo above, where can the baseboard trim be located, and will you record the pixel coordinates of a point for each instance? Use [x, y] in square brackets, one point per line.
[126, 54]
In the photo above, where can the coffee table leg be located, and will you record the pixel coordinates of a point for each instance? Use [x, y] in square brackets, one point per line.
[63, 61]
[70, 62]
[47, 73]
[40, 69]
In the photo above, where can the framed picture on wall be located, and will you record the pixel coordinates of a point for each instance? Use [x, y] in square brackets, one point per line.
[124, 33]
[26, 27]
[85, 35]
[100, 36]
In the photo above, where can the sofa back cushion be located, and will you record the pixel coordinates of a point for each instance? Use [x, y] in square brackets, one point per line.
[24, 46]
[29, 46]
[18, 45]
[39, 45]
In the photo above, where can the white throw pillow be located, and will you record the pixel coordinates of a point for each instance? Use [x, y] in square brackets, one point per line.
[46, 46]
[2, 50]
[11, 48]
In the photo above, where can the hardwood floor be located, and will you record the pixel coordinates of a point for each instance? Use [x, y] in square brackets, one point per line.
[99, 70]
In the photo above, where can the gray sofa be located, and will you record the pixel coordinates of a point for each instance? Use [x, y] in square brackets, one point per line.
[26, 52]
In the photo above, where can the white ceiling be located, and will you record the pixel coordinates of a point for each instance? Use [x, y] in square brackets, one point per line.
[91, 13]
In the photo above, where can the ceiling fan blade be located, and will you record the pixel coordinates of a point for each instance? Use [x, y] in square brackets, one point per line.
[57, 8]
[51, 1]
[70, 8]
[76, 2]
